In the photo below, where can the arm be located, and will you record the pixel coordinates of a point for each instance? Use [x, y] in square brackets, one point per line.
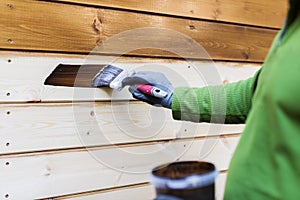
[228, 103]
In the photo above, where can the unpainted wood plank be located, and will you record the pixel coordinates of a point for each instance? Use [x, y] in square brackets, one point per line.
[38, 127]
[220, 185]
[22, 75]
[145, 192]
[37, 25]
[49, 175]
[261, 13]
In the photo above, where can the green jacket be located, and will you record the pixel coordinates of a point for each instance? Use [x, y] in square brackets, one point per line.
[266, 163]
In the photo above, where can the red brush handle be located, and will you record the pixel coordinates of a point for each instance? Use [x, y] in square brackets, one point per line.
[152, 91]
[146, 89]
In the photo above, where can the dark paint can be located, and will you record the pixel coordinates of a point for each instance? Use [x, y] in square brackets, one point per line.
[187, 180]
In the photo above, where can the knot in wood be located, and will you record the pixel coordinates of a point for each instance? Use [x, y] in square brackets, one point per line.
[10, 6]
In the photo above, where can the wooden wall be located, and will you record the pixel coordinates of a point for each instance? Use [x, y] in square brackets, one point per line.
[76, 143]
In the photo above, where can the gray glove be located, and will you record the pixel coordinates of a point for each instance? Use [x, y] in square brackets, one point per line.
[156, 79]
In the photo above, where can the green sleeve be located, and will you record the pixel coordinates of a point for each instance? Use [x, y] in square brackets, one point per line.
[229, 103]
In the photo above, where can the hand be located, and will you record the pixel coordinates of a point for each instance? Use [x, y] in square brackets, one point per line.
[156, 79]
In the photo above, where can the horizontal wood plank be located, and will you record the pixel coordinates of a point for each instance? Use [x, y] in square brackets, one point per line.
[22, 75]
[261, 13]
[51, 27]
[144, 191]
[50, 175]
[73, 125]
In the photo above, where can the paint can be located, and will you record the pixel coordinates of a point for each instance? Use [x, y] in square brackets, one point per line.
[187, 180]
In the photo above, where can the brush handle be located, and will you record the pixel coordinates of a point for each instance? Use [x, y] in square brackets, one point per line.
[152, 91]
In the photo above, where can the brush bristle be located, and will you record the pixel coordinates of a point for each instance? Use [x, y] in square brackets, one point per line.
[106, 75]
[117, 82]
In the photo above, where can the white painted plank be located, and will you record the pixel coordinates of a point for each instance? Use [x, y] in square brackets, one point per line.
[22, 75]
[49, 175]
[146, 192]
[35, 127]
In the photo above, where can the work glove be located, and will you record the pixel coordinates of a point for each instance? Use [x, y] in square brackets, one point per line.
[156, 79]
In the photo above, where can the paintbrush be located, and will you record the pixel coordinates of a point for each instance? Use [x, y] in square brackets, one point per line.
[96, 75]
[113, 76]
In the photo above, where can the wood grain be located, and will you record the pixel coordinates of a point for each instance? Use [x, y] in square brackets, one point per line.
[72, 125]
[144, 191]
[37, 25]
[44, 26]
[42, 144]
[33, 68]
[253, 12]
[49, 175]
